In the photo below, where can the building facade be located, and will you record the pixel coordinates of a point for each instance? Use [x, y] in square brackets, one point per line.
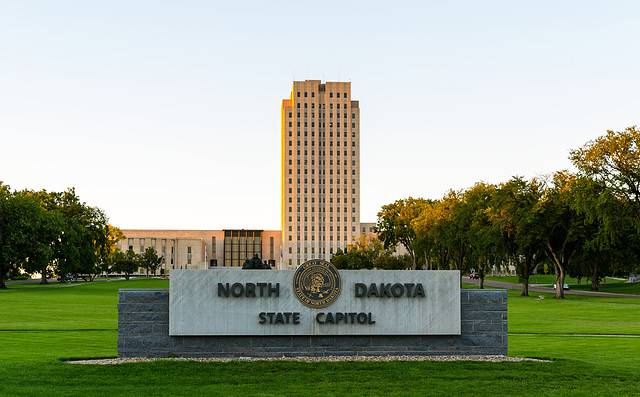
[320, 198]
[320, 192]
[203, 249]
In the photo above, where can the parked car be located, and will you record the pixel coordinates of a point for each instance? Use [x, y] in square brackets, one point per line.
[564, 286]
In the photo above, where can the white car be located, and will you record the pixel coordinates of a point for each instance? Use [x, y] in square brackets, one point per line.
[564, 286]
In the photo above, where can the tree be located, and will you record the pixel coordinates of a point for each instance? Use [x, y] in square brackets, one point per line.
[44, 228]
[560, 225]
[106, 247]
[85, 233]
[351, 260]
[484, 238]
[455, 223]
[614, 161]
[394, 224]
[610, 238]
[6, 249]
[513, 214]
[388, 261]
[255, 263]
[126, 263]
[609, 167]
[28, 233]
[150, 260]
[428, 238]
[16, 213]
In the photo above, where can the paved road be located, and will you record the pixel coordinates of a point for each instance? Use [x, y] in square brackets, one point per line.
[502, 284]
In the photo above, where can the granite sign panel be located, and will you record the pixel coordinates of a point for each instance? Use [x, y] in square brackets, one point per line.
[316, 299]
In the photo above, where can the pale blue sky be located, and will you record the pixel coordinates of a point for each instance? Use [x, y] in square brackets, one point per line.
[166, 114]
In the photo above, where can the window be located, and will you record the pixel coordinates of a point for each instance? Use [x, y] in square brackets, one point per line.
[188, 255]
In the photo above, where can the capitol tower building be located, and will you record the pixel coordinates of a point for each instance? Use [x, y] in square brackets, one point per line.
[320, 200]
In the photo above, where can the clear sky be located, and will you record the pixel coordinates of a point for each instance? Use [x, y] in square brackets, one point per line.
[166, 114]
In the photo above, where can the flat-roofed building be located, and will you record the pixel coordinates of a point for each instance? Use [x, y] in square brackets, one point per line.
[320, 199]
[203, 249]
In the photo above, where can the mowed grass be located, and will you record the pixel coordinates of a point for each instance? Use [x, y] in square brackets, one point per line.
[551, 278]
[609, 284]
[41, 325]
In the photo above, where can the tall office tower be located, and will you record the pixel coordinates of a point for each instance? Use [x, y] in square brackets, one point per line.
[320, 171]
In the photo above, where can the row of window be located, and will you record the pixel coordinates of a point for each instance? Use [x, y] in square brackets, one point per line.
[313, 94]
[323, 125]
[323, 115]
[323, 135]
[312, 237]
[322, 171]
[322, 182]
[353, 209]
[322, 191]
[313, 219]
[345, 144]
[322, 162]
[335, 228]
[353, 191]
[321, 153]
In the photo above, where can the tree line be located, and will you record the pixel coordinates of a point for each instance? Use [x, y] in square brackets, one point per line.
[55, 233]
[583, 224]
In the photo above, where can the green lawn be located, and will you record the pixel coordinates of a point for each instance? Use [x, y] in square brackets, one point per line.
[40, 325]
[620, 288]
[550, 279]
[610, 284]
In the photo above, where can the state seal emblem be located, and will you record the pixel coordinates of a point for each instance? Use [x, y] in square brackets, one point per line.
[316, 283]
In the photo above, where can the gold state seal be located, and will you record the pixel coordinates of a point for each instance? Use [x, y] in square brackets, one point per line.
[316, 283]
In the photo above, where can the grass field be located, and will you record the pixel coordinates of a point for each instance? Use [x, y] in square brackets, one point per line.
[595, 344]
[610, 284]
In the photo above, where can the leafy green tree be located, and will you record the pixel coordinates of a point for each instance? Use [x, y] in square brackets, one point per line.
[126, 263]
[150, 261]
[614, 161]
[513, 214]
[106, 247]
[28, 234]
[16, 215]
[434, 229]
[255, 263]
[610, 238]
[454, 227]
[561, 226]
[394, 225]
[388, 261]
[483, 236]
[45, 228]
[85, 233]
[609, 167]
[350, 260]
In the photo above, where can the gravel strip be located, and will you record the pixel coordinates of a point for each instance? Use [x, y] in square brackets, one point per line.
[496, 359]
